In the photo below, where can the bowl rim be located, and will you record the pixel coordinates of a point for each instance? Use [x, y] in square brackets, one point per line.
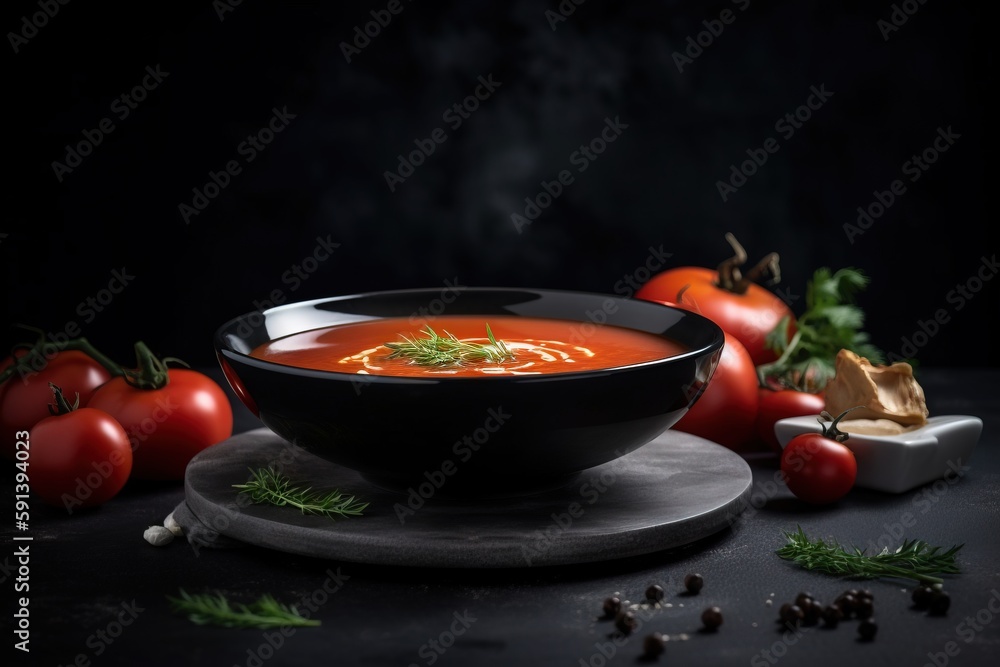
[222, 347]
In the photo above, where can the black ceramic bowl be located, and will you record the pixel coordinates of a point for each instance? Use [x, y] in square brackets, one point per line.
[479, 434]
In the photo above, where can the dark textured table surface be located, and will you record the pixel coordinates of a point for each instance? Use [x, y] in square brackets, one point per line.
[98, 590]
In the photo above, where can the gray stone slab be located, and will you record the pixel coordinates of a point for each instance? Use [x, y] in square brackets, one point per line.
[677, 489]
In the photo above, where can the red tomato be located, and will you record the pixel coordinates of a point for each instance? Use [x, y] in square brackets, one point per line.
[781, 404]
[726, 411]
[817, 468]
[25, 395]
[168, 426]
[78, 459]
[749, 317]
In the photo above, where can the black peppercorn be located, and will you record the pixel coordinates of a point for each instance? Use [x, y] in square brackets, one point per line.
[800, 600]
[625, 622]
[940, 601]
[791, 615]
[922, 597]
[832, 615]
[654, 593]
[653, 645]
[693, 583]
[612, 606]
[848, 604]
[864, 608]
[867, 629]
[811, 612]
[711, 618]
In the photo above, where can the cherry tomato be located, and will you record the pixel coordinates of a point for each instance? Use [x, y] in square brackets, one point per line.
[727, 410]
[749, 316]
[817, 467]
[775, 405]
[25, 395]
[78, 458]
[168, 425]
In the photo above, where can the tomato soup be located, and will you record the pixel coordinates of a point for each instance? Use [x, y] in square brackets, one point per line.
[528, 346]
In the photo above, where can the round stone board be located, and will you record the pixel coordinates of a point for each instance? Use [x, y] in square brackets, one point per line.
[677, 489]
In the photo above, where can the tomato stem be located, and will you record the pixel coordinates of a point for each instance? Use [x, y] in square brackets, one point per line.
[732, 279]
[151, 372]
[729, 269]
[768, 265]
[37, 352]
[830, 430]
[62, 406]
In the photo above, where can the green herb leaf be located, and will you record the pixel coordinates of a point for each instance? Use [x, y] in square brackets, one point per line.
[266, 612]
[914, 559]
[777, 340]
[448, 350]
[268, 486]
[842, 317]
[830, 323]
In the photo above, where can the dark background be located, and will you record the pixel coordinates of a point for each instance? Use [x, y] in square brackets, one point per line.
[656, 185]
[451, 219]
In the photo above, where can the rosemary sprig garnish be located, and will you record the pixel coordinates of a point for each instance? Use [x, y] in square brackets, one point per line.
[914, 559]
[266, 612]
[435, 350]
[271, 487]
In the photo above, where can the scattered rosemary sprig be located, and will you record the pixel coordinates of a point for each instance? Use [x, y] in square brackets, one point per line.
[914, 559]
[447, 350]
[268, 486]
[831, 322]
[266, 612]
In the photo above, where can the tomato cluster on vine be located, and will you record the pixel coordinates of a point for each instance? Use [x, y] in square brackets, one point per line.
[94, 424]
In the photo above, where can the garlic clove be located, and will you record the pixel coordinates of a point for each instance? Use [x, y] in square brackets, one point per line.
[170, 523]
[158, 536]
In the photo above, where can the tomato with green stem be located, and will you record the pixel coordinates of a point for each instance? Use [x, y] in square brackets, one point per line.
[731, 299]
[25, 377]
[79, 457]
[170, 414]
[818, 468]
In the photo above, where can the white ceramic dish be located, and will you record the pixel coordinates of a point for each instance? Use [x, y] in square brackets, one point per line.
[898, 463]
